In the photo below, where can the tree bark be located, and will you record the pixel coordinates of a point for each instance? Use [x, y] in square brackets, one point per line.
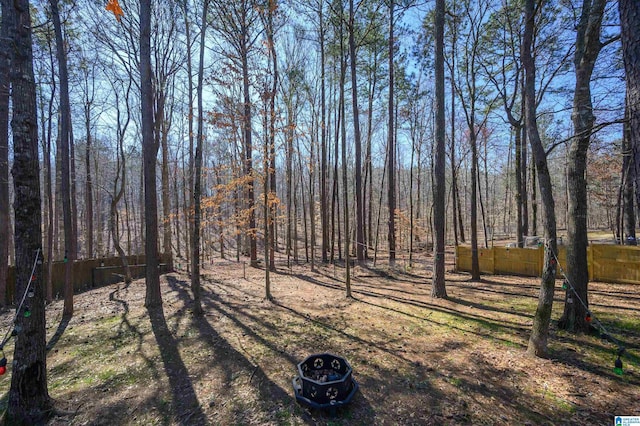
[540, 331]
[5, 60]
[360, 247]
[391, 189]
[438, 288]
[628, 179]
[197, 173]
[629, 24]
[248, 157]
[324, 205]
[119, 189]
[88, 180]
[28, 400]
[272, 7]
[153, 297]
[65, 142]
[587, 50]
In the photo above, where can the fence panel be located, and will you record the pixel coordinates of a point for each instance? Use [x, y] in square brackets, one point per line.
[85, 276]
[606, 262]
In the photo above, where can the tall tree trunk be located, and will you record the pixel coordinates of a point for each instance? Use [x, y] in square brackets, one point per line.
[523, 178]
[65, 143]
[324, 207]
[50, 203]
[153, 296]
[438, 288]
[475, 263]
[391, 189]
[120, 182]
[629, 24]
[289, 180]
[73, 192]
[272, 7]
[458, 224]
[335, 196]
[164, 181]
[345, 197]
[248, 155]
[28, 401]
[197, 173]
[5, 60]
[521, 194]
[187, 199]
[628, 178]
[587, 50]
[88, 181]
[360, 247]
[540, 331]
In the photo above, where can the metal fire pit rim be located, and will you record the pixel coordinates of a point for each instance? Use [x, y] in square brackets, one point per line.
[319, 355]
[297, 389]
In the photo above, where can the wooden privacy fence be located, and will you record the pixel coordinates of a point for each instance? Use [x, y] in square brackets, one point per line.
[92, 273]
[606, 262]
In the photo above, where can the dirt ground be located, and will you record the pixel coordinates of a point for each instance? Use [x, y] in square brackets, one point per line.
[417, 360]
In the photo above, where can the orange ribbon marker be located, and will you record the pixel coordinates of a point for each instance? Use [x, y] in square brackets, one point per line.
[114, 6]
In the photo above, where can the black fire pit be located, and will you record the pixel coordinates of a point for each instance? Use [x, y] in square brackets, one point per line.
[324, 381]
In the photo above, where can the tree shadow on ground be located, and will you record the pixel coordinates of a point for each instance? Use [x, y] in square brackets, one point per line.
[272, 396]
[386, 375]
[482, 320]
[185, 405]
[64, 323]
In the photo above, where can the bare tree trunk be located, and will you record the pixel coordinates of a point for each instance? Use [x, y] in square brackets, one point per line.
[248, 154]
[5, 61]
[164, 181]
[360, 251]
[438, 288]
[88, 181]
[28, 401]
[540, 330]
[65, 142]
[391, 148]
[588, 47]
[629, 23]
[50, 204]
[628, 178]
[324, 207]
[197, 184]
[520, 187]
[119, 190]
[153, 296]
[272, 6]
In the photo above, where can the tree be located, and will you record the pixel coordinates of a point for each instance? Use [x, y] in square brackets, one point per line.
[629, 24]
[471, 92]
[540, 331]
[88, 68]
[5, 53]
[391, 147]
[28, 401]
[504, 69]
[64, 140]
[269, 15]
[197, 173]
[153, 296]
[438, 285]
[588, 46]
[235, 23]
[360, 251]
[120, 177]
[628, 215]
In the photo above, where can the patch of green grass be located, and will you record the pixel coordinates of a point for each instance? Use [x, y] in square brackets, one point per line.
[455, 381]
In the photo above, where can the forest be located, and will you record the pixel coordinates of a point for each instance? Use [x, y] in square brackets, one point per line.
[301, 165]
